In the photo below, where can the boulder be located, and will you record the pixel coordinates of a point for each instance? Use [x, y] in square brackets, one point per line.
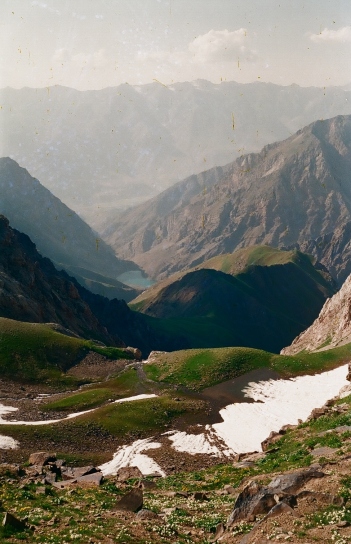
[12, 521]
[200, 496]
[271, 439]
[41, 458]
[126, 473]
[293, 481]
[69, 473]
[348, 377]
[132, 501]
[253, 500]
[94, 478]
[256, 499]
[324, 451]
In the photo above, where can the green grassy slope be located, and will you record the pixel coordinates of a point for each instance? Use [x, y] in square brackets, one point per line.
[233, 263]
[200, 368]
[34, 352]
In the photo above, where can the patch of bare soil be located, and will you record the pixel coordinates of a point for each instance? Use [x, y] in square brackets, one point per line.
[97, 367]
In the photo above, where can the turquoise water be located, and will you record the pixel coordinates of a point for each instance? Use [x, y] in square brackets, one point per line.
[135, 278]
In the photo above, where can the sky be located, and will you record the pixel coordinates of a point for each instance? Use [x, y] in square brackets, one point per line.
[92, 44]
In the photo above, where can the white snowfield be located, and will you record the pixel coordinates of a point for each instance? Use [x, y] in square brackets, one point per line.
[244, 426]
[278, 402]
[193, 443]
[131, 456]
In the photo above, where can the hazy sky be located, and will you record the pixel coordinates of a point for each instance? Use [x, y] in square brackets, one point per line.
[91, 44]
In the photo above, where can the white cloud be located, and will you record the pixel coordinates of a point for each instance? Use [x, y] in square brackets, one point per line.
[222, 45]
[94, 60]
[43, 5]
[341, 35]
[214, 47]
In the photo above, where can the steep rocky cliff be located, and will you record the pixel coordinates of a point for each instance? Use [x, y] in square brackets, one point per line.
[31, 289]
[293, 191]
[331, 328]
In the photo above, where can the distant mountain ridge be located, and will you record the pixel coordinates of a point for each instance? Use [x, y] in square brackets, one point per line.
[290, 192]
[58, 232]
[112, 148]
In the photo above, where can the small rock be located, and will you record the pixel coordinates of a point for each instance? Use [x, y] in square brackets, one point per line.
[200, 496]
[318, 412]
[13, 521]
[230, 490]
[41, 458]
[220, 530]
[343, 524]
[64, 484]
[271, 439]
[148, 484]
[126, 473]
[40, 490]
[144, 513]
[132, 501]
[279, 509]
[325, 499]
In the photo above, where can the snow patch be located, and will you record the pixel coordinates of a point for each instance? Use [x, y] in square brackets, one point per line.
[193, 443]
[132, 456]
[136, 397]
[6, 409]
[8, 443]
[278, 402]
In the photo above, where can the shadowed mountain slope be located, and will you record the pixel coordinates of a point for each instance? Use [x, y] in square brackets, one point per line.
[58, 232]
[265, 298]
[333, 250]
[32, 290]
[293, 191]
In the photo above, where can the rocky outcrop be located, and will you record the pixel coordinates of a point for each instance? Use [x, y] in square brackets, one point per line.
[332, 326]
[256, 499]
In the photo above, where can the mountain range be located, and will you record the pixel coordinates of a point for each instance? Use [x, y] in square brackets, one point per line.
[188, 419]
[116, 147]
[291, 192]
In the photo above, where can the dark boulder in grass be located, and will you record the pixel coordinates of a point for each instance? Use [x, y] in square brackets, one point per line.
[132, 501]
